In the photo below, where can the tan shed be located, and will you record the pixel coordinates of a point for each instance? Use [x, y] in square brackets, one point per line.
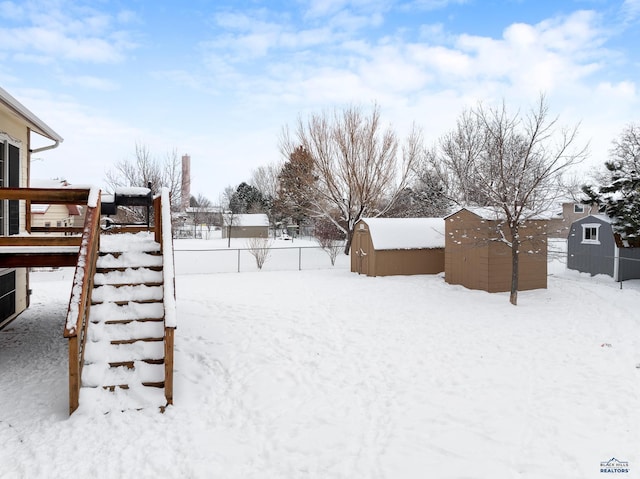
[476, 257]
[245, 226]
[398, 246]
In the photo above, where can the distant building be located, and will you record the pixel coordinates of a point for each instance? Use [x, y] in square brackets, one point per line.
[571, 211]
[245, 225]
[53, 215]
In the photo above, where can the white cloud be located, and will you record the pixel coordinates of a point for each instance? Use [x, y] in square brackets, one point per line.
[89, 82]
[62, 30]
[631, 10]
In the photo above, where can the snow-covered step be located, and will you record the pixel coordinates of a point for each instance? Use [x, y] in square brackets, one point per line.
[126, 260]
[132, 398]
[138, 242]
[128, 331]
[106, 352]
[111, 312]
[126, 294]
[128, 276]
[102, 375]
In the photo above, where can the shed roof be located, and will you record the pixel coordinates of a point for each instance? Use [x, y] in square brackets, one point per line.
[35, 123]
[256, 219]
[493, 213]
[603, 218]
[406, 233]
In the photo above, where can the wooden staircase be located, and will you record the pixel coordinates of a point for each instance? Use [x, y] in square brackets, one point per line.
[124, 357]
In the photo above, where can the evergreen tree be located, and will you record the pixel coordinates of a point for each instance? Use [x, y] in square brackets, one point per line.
[296, 186]
[247, 199]
[619, 195]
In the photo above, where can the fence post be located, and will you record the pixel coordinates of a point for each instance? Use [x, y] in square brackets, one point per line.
[238, 260]
[299, 259]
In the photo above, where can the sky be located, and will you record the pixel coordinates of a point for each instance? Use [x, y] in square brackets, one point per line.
[220, 79]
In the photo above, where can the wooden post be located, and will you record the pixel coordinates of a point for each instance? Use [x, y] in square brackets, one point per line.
[157, 216]
[74, 375]
[168, 364]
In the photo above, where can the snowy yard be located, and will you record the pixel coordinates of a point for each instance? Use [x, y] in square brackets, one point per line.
[327, 374]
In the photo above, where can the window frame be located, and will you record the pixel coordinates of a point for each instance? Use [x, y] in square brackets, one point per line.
[593, 231]
[578, 208]
[10, 166]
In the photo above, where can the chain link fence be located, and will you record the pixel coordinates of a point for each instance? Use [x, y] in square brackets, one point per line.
[230, 260]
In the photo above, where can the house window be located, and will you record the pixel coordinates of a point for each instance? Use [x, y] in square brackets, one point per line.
[578, 208]
[9, 177]
[590, 233]
[7, 295]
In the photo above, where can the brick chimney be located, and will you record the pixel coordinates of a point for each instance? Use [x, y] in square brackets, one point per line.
[186, 181]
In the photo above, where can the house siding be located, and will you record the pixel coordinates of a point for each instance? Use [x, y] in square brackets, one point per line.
[16, 131]
[55, 214]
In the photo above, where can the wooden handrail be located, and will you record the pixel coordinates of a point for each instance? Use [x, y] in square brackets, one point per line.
[49, 196]
[42, 241]
[162, 217]
[80, 301]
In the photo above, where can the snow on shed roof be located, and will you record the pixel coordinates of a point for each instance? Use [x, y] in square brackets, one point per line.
[494, 213]
[257, 219]
[406, 233]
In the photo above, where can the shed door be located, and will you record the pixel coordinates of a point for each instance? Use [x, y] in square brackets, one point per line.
[360, 248]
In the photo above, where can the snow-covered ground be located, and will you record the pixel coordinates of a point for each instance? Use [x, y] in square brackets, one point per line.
[326, 374]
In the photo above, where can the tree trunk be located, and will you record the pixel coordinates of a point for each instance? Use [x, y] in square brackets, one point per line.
[347, 245]
[515, 247]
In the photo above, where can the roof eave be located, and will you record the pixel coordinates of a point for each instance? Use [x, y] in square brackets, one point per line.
[35, 123]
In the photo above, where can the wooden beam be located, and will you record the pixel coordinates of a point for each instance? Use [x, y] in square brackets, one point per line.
[56, 229]
[43, 241]
[38, 260]
[51, 196]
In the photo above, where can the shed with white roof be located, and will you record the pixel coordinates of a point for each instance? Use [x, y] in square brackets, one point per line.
[245, 225]
[398, 246]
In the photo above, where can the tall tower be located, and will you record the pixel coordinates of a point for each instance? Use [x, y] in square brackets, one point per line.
[186, 181]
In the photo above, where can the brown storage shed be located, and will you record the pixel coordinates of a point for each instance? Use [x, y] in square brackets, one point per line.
[476, 257]
[246, 226]
[398, 246]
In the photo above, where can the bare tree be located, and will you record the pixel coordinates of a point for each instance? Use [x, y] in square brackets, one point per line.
[356, 162]
[144, 170]
[260, 249]
[203, 213]
[329, 237]
[229, 215]
[266, 179]
[513, 164]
